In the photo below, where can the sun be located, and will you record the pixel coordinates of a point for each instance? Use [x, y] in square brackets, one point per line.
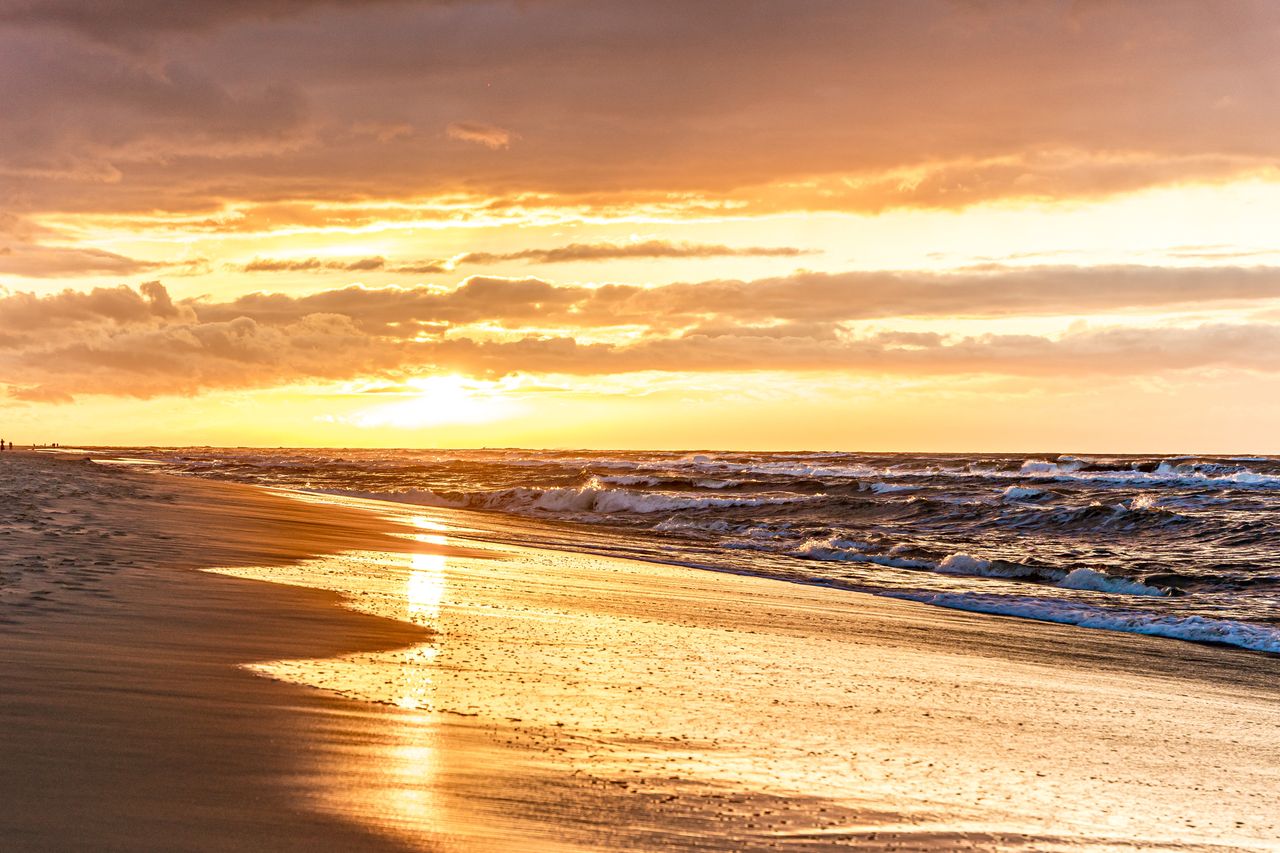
[438, 400]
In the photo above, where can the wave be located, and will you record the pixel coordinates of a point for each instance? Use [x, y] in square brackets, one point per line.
[417, 497]
[1205, 475]
[676, 524]
[630, 480]
[842, 550]
[1103, 472]
[1137, 514]
[834, 549]
[1200, 629]
[1088, 579]
[788, 468]
[966, 564]
[1022, 493]
[1041, 468]
[1078, 579]
[887, 488]
[1175, 536]
[594, 498]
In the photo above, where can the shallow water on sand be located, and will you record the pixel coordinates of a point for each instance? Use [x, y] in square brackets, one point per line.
[766, 715]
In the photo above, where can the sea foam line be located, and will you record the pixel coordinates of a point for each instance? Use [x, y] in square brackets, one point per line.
[1200, 629]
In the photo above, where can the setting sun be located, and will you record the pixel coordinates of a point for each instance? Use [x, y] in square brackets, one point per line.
[432, 401]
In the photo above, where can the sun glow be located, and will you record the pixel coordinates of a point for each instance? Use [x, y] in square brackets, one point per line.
[437, 400]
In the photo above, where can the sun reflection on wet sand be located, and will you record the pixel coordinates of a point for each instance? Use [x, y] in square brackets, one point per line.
[424, 593]
[674, 687]
[390, 783]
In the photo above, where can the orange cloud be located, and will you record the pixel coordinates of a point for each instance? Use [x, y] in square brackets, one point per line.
[141, 343]
[481, 134]
[640, 249]
[827, 105]
[313, 265]
[571, 253]
[800, 298]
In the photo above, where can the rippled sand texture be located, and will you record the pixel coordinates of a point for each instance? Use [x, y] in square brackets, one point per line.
[407, 684]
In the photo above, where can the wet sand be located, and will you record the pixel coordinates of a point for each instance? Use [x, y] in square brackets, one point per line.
[406, 683]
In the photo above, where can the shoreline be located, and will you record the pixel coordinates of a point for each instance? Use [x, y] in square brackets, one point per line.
[758, 713]
[1242, 637]
[1124, 589]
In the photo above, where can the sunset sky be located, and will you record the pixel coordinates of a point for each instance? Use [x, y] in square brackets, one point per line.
[952, 225]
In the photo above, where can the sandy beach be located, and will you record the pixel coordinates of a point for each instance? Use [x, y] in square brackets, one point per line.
[191, 665]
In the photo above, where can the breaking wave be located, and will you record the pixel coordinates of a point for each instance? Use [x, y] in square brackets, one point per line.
[594, 498]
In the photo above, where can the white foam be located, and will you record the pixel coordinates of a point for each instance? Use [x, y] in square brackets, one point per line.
[1021, 493]
[1202, 475]
[963, 564]
[1088, 579]
[1196, 628]
[834, 549]
[595, 498]
[888, 488]
[787, 468]
[967, 564]
[714, 484]
[575, 462]
[1143, 501]
[1042, 468]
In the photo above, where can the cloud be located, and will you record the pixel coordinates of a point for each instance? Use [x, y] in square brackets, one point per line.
[187, 359]
[639, 249]
[59, 262]
[92, 120]
[127, 21]
[980, 292]
[801, 298]
[482, 134]
[423, 267]
[1118, 351]
[764, 106]
[313, 265]
[384, 310]
[562, 254]
[66, 313]
[142, 343]
[23, 253]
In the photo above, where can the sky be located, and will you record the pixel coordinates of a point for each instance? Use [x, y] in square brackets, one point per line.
[950, 225]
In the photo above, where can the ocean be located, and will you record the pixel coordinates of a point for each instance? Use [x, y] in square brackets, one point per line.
[1174, 546]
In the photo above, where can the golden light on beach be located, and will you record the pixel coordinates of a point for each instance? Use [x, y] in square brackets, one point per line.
[426, 586]
[716, 426]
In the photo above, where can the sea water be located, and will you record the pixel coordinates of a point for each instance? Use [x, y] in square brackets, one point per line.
[1182, 547]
